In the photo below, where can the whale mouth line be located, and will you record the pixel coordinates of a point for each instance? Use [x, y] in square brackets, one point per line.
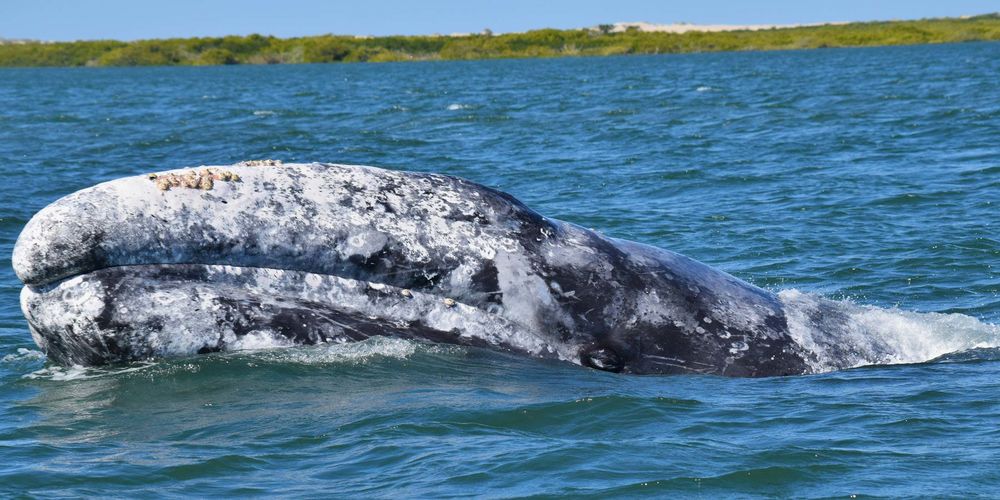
[165, 269]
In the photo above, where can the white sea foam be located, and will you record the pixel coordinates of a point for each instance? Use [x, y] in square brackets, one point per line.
[78, 372]
[260, 340]
[457, 107]
[858, 335]
[704, 88]
[349, 353]
[23, 354]
[264, 112]
[61, 373]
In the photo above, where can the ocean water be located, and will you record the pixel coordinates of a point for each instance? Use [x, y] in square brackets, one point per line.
[865, 175]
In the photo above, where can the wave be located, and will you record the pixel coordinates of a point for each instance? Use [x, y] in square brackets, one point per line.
[842, 334]
[354, 353]
[77, 372]
[23, 355]
[253, 351]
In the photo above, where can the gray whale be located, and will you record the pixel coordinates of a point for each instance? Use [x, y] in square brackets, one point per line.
[261, 254]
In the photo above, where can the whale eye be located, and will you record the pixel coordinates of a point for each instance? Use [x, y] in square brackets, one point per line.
[601, 358]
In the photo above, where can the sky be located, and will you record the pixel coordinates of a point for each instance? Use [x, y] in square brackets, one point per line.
[138, 19]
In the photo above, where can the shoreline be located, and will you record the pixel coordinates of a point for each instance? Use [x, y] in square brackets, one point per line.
[504, 58]
[603, 40]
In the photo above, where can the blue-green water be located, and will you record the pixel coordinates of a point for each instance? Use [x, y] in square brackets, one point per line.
[867, 174]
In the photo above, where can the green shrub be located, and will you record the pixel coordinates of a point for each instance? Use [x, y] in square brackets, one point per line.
[216, 56]
[325, 49]
[260, 49]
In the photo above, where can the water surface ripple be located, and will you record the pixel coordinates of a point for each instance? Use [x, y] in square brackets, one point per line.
[871, 175]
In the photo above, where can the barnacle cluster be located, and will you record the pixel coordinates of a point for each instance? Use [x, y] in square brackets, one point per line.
[193, 179]
[259, 163]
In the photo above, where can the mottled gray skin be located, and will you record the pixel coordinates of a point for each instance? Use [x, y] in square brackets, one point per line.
[314, 253]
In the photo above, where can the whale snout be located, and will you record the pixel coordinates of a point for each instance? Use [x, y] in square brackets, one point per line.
[56, 243]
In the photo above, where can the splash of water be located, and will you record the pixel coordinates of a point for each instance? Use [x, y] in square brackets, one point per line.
[842, 334]
[353, 353]
[262, 350]
[23, 354]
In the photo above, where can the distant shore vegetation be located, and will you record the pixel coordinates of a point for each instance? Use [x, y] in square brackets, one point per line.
[258, 49]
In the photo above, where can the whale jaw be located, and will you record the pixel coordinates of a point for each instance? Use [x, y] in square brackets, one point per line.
[131, 313]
